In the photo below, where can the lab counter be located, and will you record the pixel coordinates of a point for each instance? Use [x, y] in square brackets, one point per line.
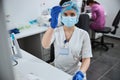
[30, 67]
[30, 40]
[31, 31]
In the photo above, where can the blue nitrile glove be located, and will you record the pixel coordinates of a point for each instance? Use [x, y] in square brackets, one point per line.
[78, 76]
[15, 30]
[54, 16]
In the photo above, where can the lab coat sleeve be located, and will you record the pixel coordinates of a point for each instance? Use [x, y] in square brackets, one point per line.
[86, 48]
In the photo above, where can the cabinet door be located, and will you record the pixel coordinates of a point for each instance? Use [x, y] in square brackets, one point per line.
[45, 53]
[31, 44]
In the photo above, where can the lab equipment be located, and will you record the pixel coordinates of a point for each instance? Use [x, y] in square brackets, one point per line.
[24, 27]
[33, 21]
[15, 31]
[54, 16]
[15, 47]
[78, 76]
[43, 20]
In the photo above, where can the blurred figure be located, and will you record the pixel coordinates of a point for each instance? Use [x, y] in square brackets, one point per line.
[98, 15]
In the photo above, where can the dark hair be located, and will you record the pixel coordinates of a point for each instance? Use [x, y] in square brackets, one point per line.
[62, 1]
[92, 1]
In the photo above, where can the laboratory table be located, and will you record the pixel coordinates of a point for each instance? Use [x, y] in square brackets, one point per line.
[30, 67]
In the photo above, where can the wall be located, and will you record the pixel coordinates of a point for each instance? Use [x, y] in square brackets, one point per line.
[20, 12]
[111, 8]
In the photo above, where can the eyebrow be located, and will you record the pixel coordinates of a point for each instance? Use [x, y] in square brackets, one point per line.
[70, 13]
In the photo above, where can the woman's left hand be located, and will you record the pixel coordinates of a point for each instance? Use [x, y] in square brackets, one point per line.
[78, 76]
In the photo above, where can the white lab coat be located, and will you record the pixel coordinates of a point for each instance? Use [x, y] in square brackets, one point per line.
[78, 47]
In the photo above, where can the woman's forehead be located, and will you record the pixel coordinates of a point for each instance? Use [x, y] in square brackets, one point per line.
[70, 11]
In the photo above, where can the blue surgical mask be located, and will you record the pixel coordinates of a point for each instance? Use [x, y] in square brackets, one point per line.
[69, 21]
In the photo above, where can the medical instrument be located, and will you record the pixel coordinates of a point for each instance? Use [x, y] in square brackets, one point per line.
[15, 49]
[15, 31]
[33, 21]
[15, 46]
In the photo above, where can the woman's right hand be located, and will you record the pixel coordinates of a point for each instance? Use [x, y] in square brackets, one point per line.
[54, 16]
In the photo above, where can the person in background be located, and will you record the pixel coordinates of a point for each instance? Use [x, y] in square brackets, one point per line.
[71, 43]
[98, 15]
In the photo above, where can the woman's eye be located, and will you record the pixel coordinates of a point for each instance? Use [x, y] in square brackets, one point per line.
[65, 14]
[72, 14]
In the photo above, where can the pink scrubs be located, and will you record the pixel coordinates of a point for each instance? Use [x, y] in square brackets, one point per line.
[98, 17]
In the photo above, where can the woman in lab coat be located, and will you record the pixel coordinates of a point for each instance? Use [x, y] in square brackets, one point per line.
[71, 43]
